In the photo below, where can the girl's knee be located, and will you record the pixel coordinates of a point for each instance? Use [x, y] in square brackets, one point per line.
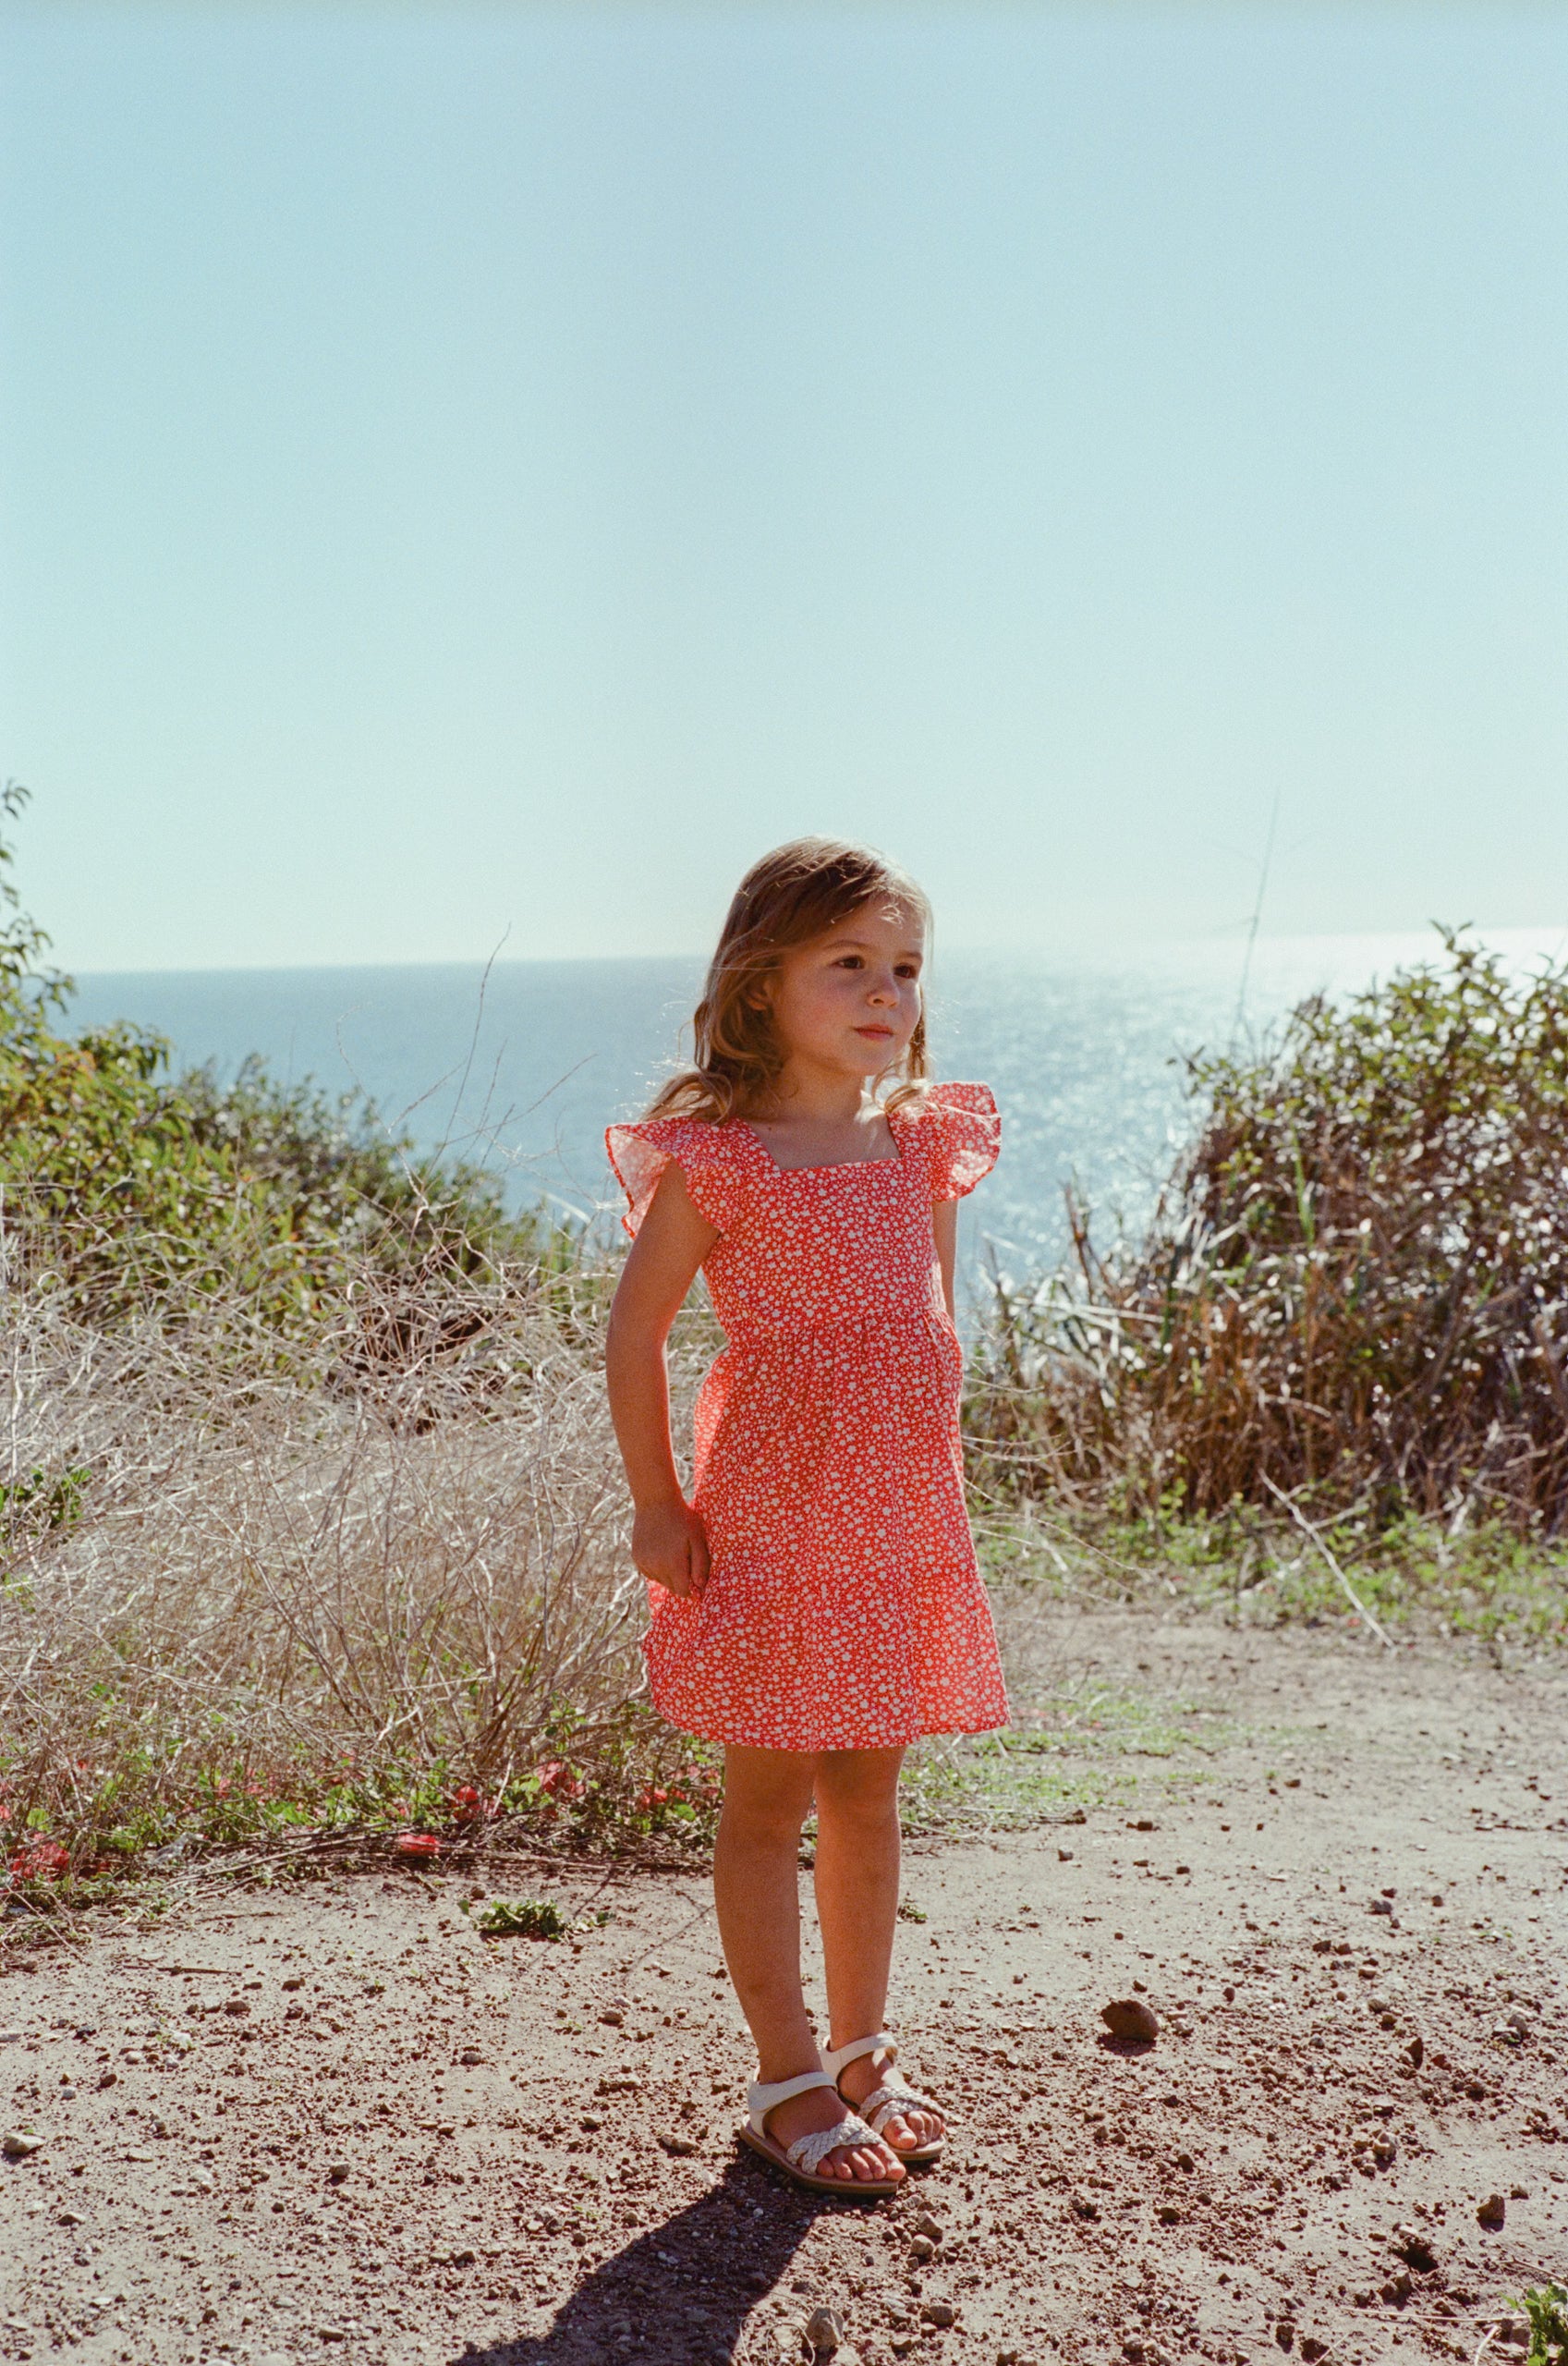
[767, 1808]
[858, 1787]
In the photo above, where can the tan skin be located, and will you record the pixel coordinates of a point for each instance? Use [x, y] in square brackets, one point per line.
[844, 1008]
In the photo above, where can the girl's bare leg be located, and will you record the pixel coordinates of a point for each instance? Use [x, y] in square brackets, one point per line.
[757, 1892]
[857, 1868]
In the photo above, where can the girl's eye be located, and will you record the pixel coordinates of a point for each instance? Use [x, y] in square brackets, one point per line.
[850, 961]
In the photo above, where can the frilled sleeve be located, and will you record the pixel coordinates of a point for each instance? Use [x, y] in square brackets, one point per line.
[641, 1153]
[963, 1134]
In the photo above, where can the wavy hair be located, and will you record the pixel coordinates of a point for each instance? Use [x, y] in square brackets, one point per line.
[792, 896]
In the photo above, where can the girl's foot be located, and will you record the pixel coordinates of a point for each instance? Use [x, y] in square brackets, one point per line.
[854, 2163]
[910, 2131]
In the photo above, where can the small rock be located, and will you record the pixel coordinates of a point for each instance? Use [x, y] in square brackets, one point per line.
[611, 2019]
[1379, 1906]
[71, 2218]
[1415, 2052]
[824, 2330]
[237, 2009]
[1492, 2211]
[1398, 2288]
[1414, 2249]
[1131, 2019]
[338, 2173]
[938, 2312]
[470, 2058]
[1313, 2347]
[681, 2148]
[1064, 1856]
[1084, 2208]
[1144, 1824]
[18, 2147]
[1518, 2194]
[922, 2246]
[929, 2224]
[1284, 2333]
[1185, 2161]
[1168, 2215]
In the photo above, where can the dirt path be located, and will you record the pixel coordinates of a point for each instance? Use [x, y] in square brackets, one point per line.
[339, 2125]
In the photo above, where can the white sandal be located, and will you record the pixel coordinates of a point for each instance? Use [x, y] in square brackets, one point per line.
[892, 2098]
[800, 2159]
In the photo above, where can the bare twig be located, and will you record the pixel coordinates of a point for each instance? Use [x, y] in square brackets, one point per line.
[1311, 1534]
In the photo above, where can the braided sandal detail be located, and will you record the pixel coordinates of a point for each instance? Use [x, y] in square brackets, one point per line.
[892, 2098]
[801, 2161]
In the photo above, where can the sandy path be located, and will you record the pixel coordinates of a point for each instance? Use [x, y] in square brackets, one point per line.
[338, 2124]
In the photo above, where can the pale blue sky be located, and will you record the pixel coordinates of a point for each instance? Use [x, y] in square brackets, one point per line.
[470, 469]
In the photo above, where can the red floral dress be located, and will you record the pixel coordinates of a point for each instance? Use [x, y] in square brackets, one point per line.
[843, 1610]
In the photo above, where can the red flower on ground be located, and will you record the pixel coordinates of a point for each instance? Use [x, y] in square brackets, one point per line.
[469, 1804]
[41, 1860]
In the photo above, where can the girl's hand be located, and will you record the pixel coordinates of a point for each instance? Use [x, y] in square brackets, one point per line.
[668, 1544]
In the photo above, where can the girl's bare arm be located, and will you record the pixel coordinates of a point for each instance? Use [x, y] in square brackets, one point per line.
[667, 1539]
[944, 1223]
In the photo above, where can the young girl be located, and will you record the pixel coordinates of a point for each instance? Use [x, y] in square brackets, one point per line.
[816, 1604]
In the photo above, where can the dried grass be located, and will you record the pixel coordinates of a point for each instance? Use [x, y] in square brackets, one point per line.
[408, 1553]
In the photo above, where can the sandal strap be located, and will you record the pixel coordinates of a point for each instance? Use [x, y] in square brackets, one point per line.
[835, 2057]
[807, 2152]
[893, 2098]
[760, 2099]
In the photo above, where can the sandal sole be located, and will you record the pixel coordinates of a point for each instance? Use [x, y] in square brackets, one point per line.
[852, 2188]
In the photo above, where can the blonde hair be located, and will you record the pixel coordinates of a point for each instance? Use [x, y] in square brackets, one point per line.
[793, 897]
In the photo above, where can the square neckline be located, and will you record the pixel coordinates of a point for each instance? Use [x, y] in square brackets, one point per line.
[828, 1166]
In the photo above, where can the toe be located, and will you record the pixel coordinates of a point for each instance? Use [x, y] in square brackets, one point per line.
[898, 2131]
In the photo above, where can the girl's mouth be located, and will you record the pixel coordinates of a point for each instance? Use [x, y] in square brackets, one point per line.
[878, 1034]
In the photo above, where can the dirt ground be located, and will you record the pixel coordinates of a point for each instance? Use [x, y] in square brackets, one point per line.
[338, 2124]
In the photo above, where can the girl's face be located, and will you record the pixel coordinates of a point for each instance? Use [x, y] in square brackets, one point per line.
[850, 1000]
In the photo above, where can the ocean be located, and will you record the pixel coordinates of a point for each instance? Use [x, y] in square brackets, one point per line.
[523, 1065]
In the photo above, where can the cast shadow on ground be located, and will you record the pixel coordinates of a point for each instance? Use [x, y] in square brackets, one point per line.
[679, 2293]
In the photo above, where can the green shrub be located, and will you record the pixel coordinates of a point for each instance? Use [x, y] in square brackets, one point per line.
[1355, 1284]
[130, 1190]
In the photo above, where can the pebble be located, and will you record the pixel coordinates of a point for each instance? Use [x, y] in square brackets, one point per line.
[1415, 2250]
[922, 2246]
[938, 2312]
[1492, 2211]
[824, 2330]
[926, 2223]
[17, 2147]
[1131, 2019]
